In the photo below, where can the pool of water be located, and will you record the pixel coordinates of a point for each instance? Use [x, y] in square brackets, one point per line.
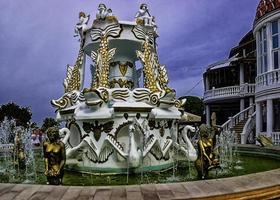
[183, 171]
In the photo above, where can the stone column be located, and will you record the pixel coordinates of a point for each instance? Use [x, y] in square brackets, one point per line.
[208, 115]
[258, 118]
[241, 82]
[269, 47]
[251, 101]
[269, 117]
[207, 87]
[241, 74]
[242, 107]
[242, 104]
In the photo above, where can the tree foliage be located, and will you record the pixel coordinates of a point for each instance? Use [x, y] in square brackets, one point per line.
[49, 122]
[22, 115]
[194, 105]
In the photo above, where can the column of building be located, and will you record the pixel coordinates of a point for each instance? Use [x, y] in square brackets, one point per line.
[269, 117]
[208, 114]
[241, 82]
[258, 118]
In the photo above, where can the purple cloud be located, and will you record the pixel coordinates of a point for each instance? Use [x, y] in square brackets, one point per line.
[37, 42]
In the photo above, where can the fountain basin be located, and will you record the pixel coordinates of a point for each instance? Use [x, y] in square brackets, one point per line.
[249, 162]
[262, 184]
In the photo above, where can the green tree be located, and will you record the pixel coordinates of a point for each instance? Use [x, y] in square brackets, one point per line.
[194, 105]
[49, 122]
[22, 115]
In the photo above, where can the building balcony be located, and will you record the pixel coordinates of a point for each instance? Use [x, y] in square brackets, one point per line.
[268, 83]
[230, 92]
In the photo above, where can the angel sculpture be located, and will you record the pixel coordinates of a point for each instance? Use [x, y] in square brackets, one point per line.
[103, 12]
[143, 14]
[81, 25]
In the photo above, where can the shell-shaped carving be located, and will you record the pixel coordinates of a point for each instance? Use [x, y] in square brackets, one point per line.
[112, 30]
[142, 33]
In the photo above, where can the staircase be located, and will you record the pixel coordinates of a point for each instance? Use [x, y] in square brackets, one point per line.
[238, 128]
[238, 121]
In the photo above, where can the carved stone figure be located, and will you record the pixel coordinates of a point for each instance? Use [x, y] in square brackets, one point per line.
[19, 151]
[144, 15]
[206, 156]
[102, 12]
[213, 119]
[54, 156]
[110, 12]
[184, 144]
[81, 25]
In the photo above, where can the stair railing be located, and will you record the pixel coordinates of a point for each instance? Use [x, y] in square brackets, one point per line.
[248, 130]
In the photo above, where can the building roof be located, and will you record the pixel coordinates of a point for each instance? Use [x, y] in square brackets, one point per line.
[189, 117]
[223, 63]
[265, 7]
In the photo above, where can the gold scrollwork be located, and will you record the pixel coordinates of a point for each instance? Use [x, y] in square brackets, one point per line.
[122, 83]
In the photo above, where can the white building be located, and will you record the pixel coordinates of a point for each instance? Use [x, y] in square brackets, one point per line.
[267, 96]
[229, 89]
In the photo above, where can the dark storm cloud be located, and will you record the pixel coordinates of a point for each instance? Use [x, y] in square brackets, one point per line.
[36, 42]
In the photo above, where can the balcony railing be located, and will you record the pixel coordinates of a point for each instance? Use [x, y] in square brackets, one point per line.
[268, 80]
[231, 91]
[276, 138]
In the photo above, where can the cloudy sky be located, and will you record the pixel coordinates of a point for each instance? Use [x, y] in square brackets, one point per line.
[36, 42]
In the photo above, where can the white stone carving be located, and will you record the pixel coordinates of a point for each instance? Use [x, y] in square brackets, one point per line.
[81, 25]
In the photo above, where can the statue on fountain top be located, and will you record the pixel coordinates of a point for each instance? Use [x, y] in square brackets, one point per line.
[144, 17]
[54, 156]
[81, 25]
[103, 13]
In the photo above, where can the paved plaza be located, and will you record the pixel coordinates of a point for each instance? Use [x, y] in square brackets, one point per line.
[265, 185]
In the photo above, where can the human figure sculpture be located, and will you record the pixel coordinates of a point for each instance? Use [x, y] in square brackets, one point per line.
[102, 12]
[213, 119]
[110, 12]
[143, 14]
[206, 156]
[54, 156]
[19, 151]
[81, 25]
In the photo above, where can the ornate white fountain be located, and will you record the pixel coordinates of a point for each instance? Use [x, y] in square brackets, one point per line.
[115, 125]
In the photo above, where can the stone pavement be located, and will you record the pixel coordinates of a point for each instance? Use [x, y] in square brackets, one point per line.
[265, 185]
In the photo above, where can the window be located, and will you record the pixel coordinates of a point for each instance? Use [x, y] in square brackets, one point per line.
[275, 43]
[262, 50]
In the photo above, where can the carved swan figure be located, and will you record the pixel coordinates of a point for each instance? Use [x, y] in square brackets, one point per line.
[188, 149]
[86, 146]
[133, 154]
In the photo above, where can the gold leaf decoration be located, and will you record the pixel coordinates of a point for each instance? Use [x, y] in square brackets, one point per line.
[123, 69]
